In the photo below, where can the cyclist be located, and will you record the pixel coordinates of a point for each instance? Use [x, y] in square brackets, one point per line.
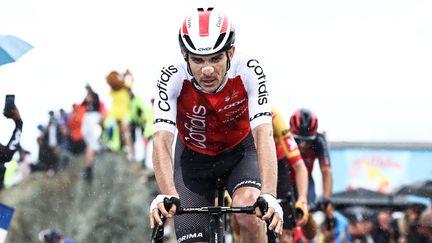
[290, 163]
[313, 145]
[219, 103]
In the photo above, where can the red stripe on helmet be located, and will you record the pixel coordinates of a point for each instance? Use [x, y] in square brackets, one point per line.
[184, 28]
[295, 121]
[224, 25]
[204, 22]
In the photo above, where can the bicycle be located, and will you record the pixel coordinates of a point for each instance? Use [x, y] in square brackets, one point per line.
[217, 221]
[298, 233]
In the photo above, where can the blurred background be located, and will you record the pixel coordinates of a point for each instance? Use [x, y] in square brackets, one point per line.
[362, 66]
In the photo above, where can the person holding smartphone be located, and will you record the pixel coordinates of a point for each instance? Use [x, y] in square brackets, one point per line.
[10, 111]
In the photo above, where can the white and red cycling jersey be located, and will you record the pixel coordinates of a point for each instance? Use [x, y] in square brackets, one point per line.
[212, 123]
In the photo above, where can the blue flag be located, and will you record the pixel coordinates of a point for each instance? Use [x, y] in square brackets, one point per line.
[6, 214]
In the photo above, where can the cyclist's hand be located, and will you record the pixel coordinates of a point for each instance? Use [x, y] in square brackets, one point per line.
[326, 206]
[274, 213]
[302, 212]
[157, 208]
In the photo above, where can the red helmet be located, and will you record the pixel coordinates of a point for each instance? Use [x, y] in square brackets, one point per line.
[206, 32]
[304, 123]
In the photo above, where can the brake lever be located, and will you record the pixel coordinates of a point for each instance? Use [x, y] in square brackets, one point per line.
[262, 204]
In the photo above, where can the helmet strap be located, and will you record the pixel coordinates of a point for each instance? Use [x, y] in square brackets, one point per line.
[228, 64]
[188, 65]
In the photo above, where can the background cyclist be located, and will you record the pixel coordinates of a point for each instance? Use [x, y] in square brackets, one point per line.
[313, 145]
[289, 158]
[219, 103]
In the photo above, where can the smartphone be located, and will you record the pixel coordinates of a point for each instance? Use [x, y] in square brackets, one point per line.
[9, 105]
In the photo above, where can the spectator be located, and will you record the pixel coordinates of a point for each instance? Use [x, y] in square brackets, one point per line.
[63, 117]
[383, 231]
[120, 107]
[335, 231]
[137, 120]
[148, 134]
[53, 132]
[53, 236]
[407, 225]
[425, 226]
[48, 140]
[359, 228]
[64, 144]
[46, 156]
[7, 152]
[77, 144]
[17, 171]
[91, 130]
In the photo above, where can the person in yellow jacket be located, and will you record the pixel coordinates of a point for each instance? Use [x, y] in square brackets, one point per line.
[120, 103]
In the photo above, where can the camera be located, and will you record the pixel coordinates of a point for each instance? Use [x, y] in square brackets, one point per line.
[9, 105]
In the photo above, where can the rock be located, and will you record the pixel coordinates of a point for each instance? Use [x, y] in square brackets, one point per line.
[113, 207]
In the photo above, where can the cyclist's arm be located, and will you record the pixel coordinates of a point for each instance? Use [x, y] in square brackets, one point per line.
[263, 136]
[163, 169]
[301, 177]
[162, 162]
[327, 181]
[325, 166]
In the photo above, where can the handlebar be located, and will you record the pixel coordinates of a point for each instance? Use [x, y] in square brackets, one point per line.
[158, 231]
[212, 210]
[157, 234]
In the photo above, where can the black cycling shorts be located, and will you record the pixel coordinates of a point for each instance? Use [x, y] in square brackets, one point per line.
[195, 177]
[286, 192]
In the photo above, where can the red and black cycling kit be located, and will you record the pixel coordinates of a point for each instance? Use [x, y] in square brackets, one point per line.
[214, 135]
[318, 149]
[212, 123]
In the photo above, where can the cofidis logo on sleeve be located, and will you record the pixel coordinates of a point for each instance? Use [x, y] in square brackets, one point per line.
[262, 88]
[162, 84]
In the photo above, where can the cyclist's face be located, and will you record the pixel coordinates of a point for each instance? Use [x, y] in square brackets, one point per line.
[209, 71]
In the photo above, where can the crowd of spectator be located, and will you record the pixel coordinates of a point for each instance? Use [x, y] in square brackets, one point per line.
[85, 129]
[381, 225]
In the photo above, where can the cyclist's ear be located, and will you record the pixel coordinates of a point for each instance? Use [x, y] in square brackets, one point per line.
[231, 52]
[185, 56]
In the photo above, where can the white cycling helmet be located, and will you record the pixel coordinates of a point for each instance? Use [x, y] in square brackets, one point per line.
[206, 32]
